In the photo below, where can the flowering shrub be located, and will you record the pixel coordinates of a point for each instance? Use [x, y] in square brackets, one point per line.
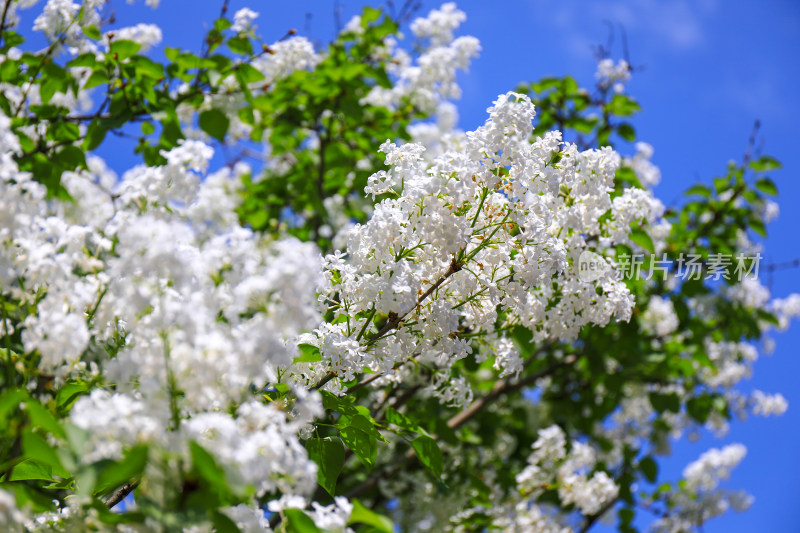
[378, 311]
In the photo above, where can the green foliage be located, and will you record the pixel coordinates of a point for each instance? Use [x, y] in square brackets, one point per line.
[324, 105]
[328, 453]
[429, 454]
[363, 515]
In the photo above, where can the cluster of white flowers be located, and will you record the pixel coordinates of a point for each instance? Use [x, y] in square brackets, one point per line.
[768, 404]
[61, 26]
[659, 318]
[750, 293]
[613, 75]
[285, 57]
[437, 135]
[526, 517]
[569, 471]
[700, 498]
[254, 448]
[206, 309]
[733, 361]
[146, 35]
[636, 205]
[648, 174]
[243, 19]
[11, 518]
[786, 309]
[712, 466]
[432, 78]
[492, 225]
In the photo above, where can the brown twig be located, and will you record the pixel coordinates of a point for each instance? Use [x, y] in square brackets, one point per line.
[395, 320]
[121, 493]
[501, 388]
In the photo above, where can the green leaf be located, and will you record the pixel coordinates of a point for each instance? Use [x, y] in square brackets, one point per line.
[30, 469]
[582, 124]
[170, 131]
[721, 185]
[363, 515]
[83, 60]
[246, 73]
[123, 49]
[767, 317]
[308, 354]
[10, 400]
[48, 88]
[92, 32]
[11, 39]
[698, 190]
[69, 394]
[429, 454]
[626, 131]
[9, 70]
[29, 496]
[626, 516]
[665, 402]
[223, 524]
[208, 468]
[370, 14]
[95, 134]
[699, 408]
[42, 418]
[71, 157]
[64, 131]
[765, 163]
[622, 105]
[400, 420]
[640, 237]
[215, 123]
[299, 522]
[342, 405]
[649, 468]
[146, 67]
[328, 453]
[241, 45]
[767, 186]
[222, 24]
[118, 473]
[758, 226]
[172, 53]
[98, 77]
[363, 444]
[39, 450]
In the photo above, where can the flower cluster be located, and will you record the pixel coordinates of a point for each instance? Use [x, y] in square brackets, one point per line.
[431, 79]
[206, 309]
[487, 232]
[699, 498]
[568, 471]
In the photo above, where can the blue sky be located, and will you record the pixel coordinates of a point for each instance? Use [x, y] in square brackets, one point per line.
[708, 70]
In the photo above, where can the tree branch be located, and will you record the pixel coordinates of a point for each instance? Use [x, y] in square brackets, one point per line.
[592, 519]
[122, 493]
[3, 20]
[396, 320]
[501, 388]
